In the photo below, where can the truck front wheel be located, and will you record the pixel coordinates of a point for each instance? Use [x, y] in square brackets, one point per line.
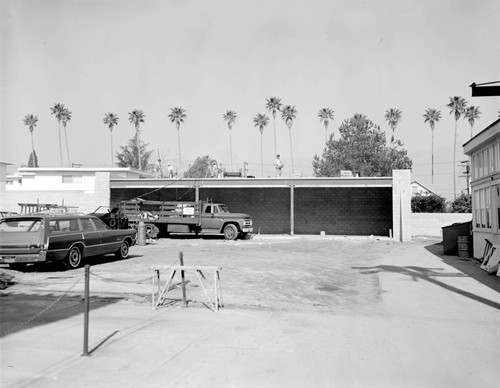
[230, 232]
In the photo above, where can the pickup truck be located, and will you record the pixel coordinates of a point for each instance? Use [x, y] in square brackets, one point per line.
[201, 217]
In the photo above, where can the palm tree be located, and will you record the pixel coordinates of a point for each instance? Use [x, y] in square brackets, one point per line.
[472, 113]
[66, 117]
[325, 115]
[137, 117]
[58, 111]
[30, 121]
[177, 116]
[457, 107]
[393, 117]
[288, 114]
[230, 118]
[432, 116]
[273, 105]
[110, 119]
[261, 121]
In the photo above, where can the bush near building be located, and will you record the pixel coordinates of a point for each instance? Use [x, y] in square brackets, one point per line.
[428, 204]
[463, 204]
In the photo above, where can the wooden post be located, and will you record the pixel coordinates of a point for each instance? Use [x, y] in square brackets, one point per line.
[86, 312]
[183, 284]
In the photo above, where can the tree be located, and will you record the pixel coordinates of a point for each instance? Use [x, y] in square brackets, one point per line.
[110, 119]
[325, 115]
[33, 160]
[200, 168]
[273, 105]
[472, 113]
[393, 117]
[361, 148]
[129, 155]
[428, 204]
[137, 117]
[30, 120]
[230, 117]
[261, 121]
[462, 204]
[58, 111]
[177, 116]
[65, 118]
[432, 116]
[288, 114]
[457, 107]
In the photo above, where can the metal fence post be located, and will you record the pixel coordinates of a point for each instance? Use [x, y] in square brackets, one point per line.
[86, 312]
[181, 262]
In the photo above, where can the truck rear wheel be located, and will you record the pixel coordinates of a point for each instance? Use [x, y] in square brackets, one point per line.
[230, 232]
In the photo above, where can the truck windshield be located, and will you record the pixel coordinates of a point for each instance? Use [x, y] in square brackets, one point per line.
[223, 209]
[20, 225]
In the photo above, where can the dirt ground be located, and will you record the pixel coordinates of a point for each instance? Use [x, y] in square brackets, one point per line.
[265, 272]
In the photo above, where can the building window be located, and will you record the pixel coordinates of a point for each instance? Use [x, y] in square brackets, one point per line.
[482, 208]
[71, 179]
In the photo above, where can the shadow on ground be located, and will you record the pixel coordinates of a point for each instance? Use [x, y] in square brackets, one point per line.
[470, 267]
[23, 311]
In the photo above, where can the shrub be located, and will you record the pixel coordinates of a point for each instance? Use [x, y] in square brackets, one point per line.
[463, 204]
[428, 204]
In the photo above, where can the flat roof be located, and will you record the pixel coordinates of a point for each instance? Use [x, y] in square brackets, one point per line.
[250, 182]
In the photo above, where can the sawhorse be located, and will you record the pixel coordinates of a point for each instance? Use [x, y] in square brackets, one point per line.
[217, 290]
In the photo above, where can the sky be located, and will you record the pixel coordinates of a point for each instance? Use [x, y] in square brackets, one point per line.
[353, 56]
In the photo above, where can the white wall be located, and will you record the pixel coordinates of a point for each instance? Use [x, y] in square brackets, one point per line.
[430, 224]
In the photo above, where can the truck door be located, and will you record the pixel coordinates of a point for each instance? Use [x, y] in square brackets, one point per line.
[211, 219]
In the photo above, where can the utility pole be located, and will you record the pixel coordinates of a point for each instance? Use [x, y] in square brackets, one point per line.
[245, 164]
[466, 165]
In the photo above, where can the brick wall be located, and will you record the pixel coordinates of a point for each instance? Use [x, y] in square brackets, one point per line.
[337, 211]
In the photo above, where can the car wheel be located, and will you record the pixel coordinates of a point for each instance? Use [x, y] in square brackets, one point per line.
[122, 253]
[74, 258]
[230, 232]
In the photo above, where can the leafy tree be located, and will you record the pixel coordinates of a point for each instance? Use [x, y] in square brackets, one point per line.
[472, 113]
[200, 168]
[177, 116]
[273, 105]
[58, 111]
[110, 119]
[361, 148]
[428, 204]
[230, 117]
[457, 107]
[462, 204]
[130, 154]
[137, 117]
[393, 117]
[30, 121]
[325, 115]
[33, 160]
[261, 121]
[432, 116]
[288, 114]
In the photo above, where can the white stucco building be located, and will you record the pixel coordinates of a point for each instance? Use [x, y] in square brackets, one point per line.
[484, 150]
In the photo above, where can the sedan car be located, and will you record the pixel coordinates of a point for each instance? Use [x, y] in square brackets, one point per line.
[66, 238]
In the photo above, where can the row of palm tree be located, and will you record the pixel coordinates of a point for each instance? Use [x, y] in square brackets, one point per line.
[458, 107]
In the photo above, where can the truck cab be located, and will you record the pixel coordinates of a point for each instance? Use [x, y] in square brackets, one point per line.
[216, 218]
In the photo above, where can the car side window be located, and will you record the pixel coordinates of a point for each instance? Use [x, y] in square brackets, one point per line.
[87, 225]
[99, 225]
[54, 226]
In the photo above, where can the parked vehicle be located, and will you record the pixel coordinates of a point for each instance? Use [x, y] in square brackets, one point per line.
[6, 214]
[204, 218]
[66, 238]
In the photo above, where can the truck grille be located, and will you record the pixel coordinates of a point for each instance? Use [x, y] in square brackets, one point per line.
[247, 223]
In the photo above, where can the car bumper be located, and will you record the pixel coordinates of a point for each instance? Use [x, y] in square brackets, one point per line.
[247, 230]
[23, 258]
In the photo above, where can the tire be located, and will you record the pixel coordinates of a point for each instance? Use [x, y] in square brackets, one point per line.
[74, 258]
[112, 223]
[122, 253]
[230, 232]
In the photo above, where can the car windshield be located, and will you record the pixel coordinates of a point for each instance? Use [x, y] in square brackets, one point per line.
[20, 225]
